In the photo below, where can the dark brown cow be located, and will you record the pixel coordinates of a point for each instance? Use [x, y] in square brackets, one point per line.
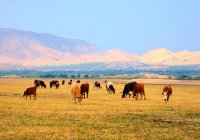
[40, 83]
[30, 91]
[128, 89]
[84, 89]
[57, 85]
[167, 92]
[139, 88]
[69, 83]
[78, 81]
[63, 82]
[53, 83]
[97, 85]
[111, 89]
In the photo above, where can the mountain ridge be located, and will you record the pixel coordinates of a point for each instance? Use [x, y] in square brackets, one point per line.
[28, 48]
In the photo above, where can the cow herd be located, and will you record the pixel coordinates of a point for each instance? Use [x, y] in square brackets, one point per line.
[80, 91]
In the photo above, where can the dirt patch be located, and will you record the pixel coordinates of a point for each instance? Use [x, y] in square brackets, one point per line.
[10, 94]
[179, 120]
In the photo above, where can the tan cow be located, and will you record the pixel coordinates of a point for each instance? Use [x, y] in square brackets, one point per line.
[75, 90]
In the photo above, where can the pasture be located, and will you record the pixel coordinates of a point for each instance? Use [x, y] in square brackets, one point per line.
[102, 116]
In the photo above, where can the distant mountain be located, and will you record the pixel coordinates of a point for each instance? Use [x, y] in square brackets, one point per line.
[163, 56]
[27, 48]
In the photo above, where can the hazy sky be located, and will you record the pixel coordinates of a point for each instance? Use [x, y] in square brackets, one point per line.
[135, 26]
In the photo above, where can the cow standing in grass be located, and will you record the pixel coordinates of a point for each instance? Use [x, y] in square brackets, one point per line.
[128, 88]
[97, 85]
[167, 92]
[69, 82]
[63, 82]
[135, 88]
[30, 91]
[54, 83]
[84, 89]
[110, 88]
[139, 89]
[76, 95]
[40, 83]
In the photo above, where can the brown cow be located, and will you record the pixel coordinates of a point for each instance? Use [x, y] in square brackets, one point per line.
[75, 90]
[30, 91]
[167, 92]
[57, 85]
[63, 82]
[139, 88]
[97, 85]
[39, 83]
[84, 89]
[54, 83]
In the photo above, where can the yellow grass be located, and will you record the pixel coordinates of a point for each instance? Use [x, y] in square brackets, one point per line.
[103, 116]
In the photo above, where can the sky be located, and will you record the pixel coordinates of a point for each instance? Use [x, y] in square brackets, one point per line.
[135, 26]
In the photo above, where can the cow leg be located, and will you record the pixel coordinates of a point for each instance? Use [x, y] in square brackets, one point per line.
[144, 95]
[137, 95]
[26, 97]
[167, 99]
[87, 94]
[74, 98]
[141, 95]
[30, 96]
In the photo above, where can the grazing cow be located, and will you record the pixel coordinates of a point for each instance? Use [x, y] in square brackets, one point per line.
[57, 85]
[40, 83]
[63, 82]
[30, 91]
[110, 88]
[128, 88]
[139, 88]
[84, 89]
[97, 85]
[54, 83]
[78, 81]
[75, 90]
[167, 92]
[69, 83]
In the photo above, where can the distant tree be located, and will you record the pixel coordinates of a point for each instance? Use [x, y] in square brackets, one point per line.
[63, 75]
[78, 76]
[73, 76]
[86, 76]
[49, 75]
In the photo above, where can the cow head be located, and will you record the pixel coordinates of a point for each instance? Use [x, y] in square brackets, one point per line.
[125, 91]
[23, 94]
[79, 99]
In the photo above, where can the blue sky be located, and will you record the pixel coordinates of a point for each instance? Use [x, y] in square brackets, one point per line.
[136, 26]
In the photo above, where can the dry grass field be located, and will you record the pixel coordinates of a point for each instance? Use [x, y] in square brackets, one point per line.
[102, 116]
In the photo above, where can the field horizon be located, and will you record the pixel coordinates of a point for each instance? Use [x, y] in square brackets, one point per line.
[102, 116]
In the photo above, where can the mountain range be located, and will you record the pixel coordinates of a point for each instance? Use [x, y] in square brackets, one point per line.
[27, 48]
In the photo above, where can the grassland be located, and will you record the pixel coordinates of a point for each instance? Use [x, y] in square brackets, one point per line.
[103, 116]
